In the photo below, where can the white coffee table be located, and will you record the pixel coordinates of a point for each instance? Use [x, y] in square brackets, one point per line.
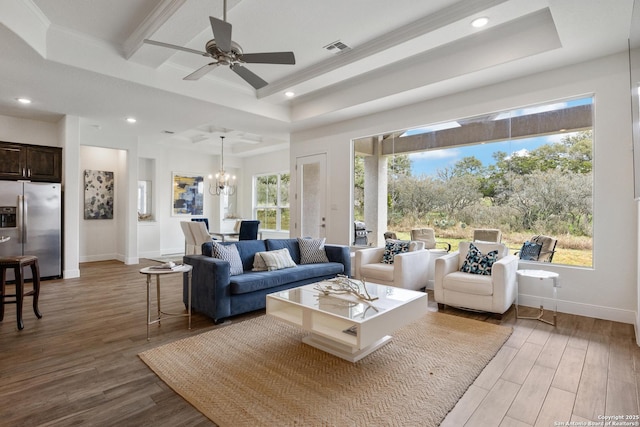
[344, 325]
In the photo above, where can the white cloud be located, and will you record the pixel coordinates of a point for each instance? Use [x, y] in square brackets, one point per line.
[435, 155]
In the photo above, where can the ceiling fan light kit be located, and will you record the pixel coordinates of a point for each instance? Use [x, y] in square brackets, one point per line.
[224, 51]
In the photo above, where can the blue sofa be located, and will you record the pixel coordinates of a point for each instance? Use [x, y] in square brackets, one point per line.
[220, 295]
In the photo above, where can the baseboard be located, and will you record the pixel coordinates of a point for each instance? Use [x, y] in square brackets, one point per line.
[71, 274]
[581, 309]
[151, 254]
[101, 257]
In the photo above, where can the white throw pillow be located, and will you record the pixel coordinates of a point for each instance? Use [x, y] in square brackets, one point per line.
[278, 259]
[258, 262]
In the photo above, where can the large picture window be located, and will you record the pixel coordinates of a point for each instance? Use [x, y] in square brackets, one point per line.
[271, 201]
[526, 172]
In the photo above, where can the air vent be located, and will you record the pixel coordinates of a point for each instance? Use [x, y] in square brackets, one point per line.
[337, 47]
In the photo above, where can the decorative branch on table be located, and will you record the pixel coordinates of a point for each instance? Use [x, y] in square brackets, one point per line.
[344, 285]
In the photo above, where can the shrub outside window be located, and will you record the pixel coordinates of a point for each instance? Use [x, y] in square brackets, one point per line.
[271, 201]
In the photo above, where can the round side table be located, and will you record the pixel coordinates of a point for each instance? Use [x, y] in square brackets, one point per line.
[540, 275]
[150, 271]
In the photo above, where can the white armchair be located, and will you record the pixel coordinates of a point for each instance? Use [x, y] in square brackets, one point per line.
[493, 293]
[409, 269]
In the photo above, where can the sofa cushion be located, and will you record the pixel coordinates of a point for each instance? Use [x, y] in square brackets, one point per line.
[230, 254]
[255, 281]
[478, 263]
[290, 244]
[392, 248]
[312, 251]
[278, 259]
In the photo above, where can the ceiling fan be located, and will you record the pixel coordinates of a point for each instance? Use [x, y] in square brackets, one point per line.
[225, 51]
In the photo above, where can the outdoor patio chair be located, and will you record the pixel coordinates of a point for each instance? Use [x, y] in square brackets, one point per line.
[487, 235]
[428, 236]
[539, 248]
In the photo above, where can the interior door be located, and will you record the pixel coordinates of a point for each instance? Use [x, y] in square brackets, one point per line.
[311, 194]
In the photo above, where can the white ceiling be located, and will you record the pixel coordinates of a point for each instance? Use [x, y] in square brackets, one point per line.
[87, 58]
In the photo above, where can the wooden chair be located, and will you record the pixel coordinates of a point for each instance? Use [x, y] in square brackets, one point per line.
[18, 263]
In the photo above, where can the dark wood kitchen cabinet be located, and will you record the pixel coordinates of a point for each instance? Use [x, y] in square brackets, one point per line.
[30, 162]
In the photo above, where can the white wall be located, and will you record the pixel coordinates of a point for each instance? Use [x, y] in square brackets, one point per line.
[27, 131]
[608, 290]
[99, 238]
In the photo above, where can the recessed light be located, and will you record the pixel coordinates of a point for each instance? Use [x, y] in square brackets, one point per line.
[480, 22]
[23, 100]
[131, 119]
[289, 94]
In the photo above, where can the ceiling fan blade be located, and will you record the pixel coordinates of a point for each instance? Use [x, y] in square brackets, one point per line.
[200, 72]
[249, 76]
[221, 33]
[269, 58]
[173, 46]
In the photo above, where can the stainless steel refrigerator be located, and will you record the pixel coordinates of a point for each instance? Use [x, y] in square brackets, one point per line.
[31, 215]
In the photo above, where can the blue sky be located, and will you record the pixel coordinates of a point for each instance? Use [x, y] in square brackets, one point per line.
[428, 162]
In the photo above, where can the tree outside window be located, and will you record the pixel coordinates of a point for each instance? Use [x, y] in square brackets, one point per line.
[271, 203]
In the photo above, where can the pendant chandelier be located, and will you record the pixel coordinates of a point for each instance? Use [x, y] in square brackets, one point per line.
[223, 183]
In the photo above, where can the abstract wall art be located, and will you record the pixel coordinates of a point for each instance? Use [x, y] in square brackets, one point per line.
[188, 194]
[98, 194]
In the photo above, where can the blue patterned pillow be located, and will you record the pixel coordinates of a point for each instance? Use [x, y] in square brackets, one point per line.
[392, 248]
[476, 263]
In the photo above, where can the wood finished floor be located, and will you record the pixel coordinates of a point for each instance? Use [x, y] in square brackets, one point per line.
[78, 365]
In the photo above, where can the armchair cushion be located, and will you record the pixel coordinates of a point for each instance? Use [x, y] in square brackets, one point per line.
[477, 263]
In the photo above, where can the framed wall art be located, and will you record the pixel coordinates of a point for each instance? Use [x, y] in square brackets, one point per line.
[188, 194]
[98, 194]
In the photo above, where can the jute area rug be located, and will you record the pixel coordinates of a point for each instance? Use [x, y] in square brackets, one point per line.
[259, 373]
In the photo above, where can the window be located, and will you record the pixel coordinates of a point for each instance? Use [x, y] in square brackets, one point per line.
[526, 172]
[271, 201]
